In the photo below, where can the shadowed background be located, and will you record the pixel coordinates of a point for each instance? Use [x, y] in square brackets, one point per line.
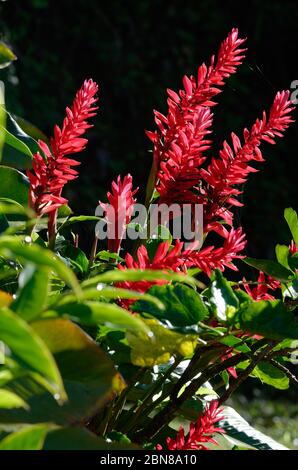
[135, 50]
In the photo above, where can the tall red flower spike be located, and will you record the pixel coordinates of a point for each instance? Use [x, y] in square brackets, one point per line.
[226, 173]
[119, 211]
[200, 433]
[181, 135]
[51, 173]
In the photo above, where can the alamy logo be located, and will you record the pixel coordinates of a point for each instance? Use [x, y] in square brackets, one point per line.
[185, 221]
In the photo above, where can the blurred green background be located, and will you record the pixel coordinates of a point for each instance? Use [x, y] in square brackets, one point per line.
[135, 50]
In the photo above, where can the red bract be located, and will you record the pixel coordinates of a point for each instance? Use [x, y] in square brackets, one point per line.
[181, 135]
[200, 432]
[119, 210]
[293, 248]
[260, 292]
[179, 260]
[225, 174]
[51, 173]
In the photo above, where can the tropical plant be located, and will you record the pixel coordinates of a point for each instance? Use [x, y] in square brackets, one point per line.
[141, 349]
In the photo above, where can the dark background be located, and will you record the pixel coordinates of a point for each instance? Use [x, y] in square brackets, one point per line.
[135, 50]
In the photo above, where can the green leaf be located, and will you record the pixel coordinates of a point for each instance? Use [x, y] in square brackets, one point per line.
[94, 313]
[11, 400]
[237, 428]
[14, 185]
[39, 256]
[32, 294]
[160, 234]
[6, 55]
[270, 375]
[282, 255]
[19, 147]
[269, 318]
[183, 305]
[29, 348]
[77, 257]
[292, 221]
[271, 268]
[148, 351]
[135, 275]
[222, 298]
[28, 438]
[81, 439]
[89, 376]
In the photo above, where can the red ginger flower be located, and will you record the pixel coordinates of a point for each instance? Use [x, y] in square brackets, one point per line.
[180, 139]
[200, 432]
[51, 174]
[232, 168]
[119, 210]
[260, 292]
[178, 260]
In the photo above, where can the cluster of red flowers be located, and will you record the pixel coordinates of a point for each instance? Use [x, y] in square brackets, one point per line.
[52, 170]
[200, 433]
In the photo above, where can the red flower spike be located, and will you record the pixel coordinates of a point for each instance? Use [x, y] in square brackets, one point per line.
[51, 173]
[200, 433]
[232, 168]
[181, 135]
[119, 210]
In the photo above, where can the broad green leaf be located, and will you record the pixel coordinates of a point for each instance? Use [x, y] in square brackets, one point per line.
[30, 129]
[237, 428]
[160, 234]
[135, 275]
[79, 218]
[223, 298]
[94, 313]
[270, 375]
[77, 257]
[11, 400]
[108, 292]
[282, 255]
[31, 350]
[14, 185]
[28, 438]
[237, 344]
[147, 351]
[81, 439]
[19, 147]
[183, 305]
[33, 290]
[292, 221]
[291, 291]
[269, 318]
[107, 256]
[39, 256]
[6, 55]
[272, 268]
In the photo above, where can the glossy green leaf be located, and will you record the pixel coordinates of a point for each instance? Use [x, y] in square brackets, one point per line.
[282, 255]
[94, 313]
[292, 221]
[81, 439]
[19, 147]
[118, 275]
[39, 256]
[6, 55]
[272, 268]
[33, 290]
[183, 305]
[270, 375]
[28, 438]
[223, 298]
[11, 400]
[31, 350]
[14, 185]
[269, 318]
[237, 428]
